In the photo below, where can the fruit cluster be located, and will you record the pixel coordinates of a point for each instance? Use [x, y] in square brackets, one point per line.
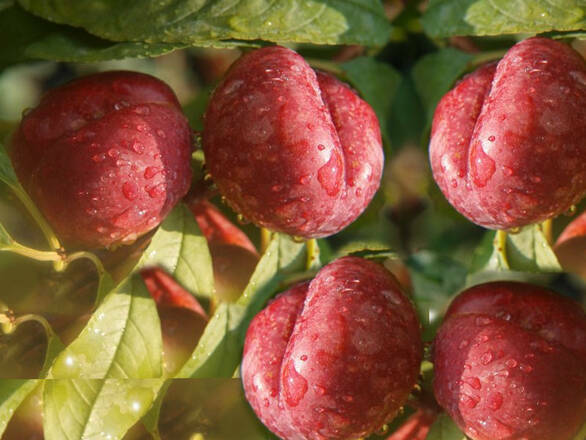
[297, 151]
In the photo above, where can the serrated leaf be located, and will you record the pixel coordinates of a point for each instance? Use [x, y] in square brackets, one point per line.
[85, 409]
[12, 394]
[444, 18]
[181, 250]
[377, 83]
[196, 22]
[122, 339]
[218, 351]
[444, 428]
[434, 75]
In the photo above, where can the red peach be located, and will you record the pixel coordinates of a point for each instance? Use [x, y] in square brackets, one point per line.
[105, 157]
[334, 358]
[290, 149]
[496, 135]
[510, 363]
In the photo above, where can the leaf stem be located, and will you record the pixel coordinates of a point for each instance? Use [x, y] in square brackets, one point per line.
[547, 228]
[88, 255]
[9, 324]
[38, 217]
[265, 239]
[312, 254]
[500, 246]
[33, 253]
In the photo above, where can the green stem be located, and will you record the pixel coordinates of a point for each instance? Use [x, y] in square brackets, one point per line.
[312, 253]
[36, 214]
[88, 255]
[547, 228]
[265, 239]
[9, 325]
[500, 243]
[33, 253]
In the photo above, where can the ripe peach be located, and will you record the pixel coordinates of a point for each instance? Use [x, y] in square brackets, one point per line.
[510, 363]
[105, 157]
[496, 135]
[291, 149]
[335, 357]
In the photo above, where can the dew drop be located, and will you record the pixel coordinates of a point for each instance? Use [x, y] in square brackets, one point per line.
[511, 363]
[319, 390]
[130, 190]
[156, 191]
[330, 174]
[469, 401]
[304, 180]
[137, 147]
[484, 167]
[486, 358]
[482, 321]
[151, 172]
[142, 110]
[525, 368]
[321, 147]
[295, 385]
[303, 357]
[474, 382]
[491, 138]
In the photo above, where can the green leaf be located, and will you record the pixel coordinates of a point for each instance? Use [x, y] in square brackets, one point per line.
[5, 239]
[105, 286]
[407, 119]
[444, 18]
[377, 83]
[530, 251]
[218, 351]
[76, 409]
[444, 428]
[151, 418]
[525, 251]
[199, 22]
[434, 75]
[7, 174]
[122, 339]
[26, 37]
[180, 249]
[12, 394]
[436, 279]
